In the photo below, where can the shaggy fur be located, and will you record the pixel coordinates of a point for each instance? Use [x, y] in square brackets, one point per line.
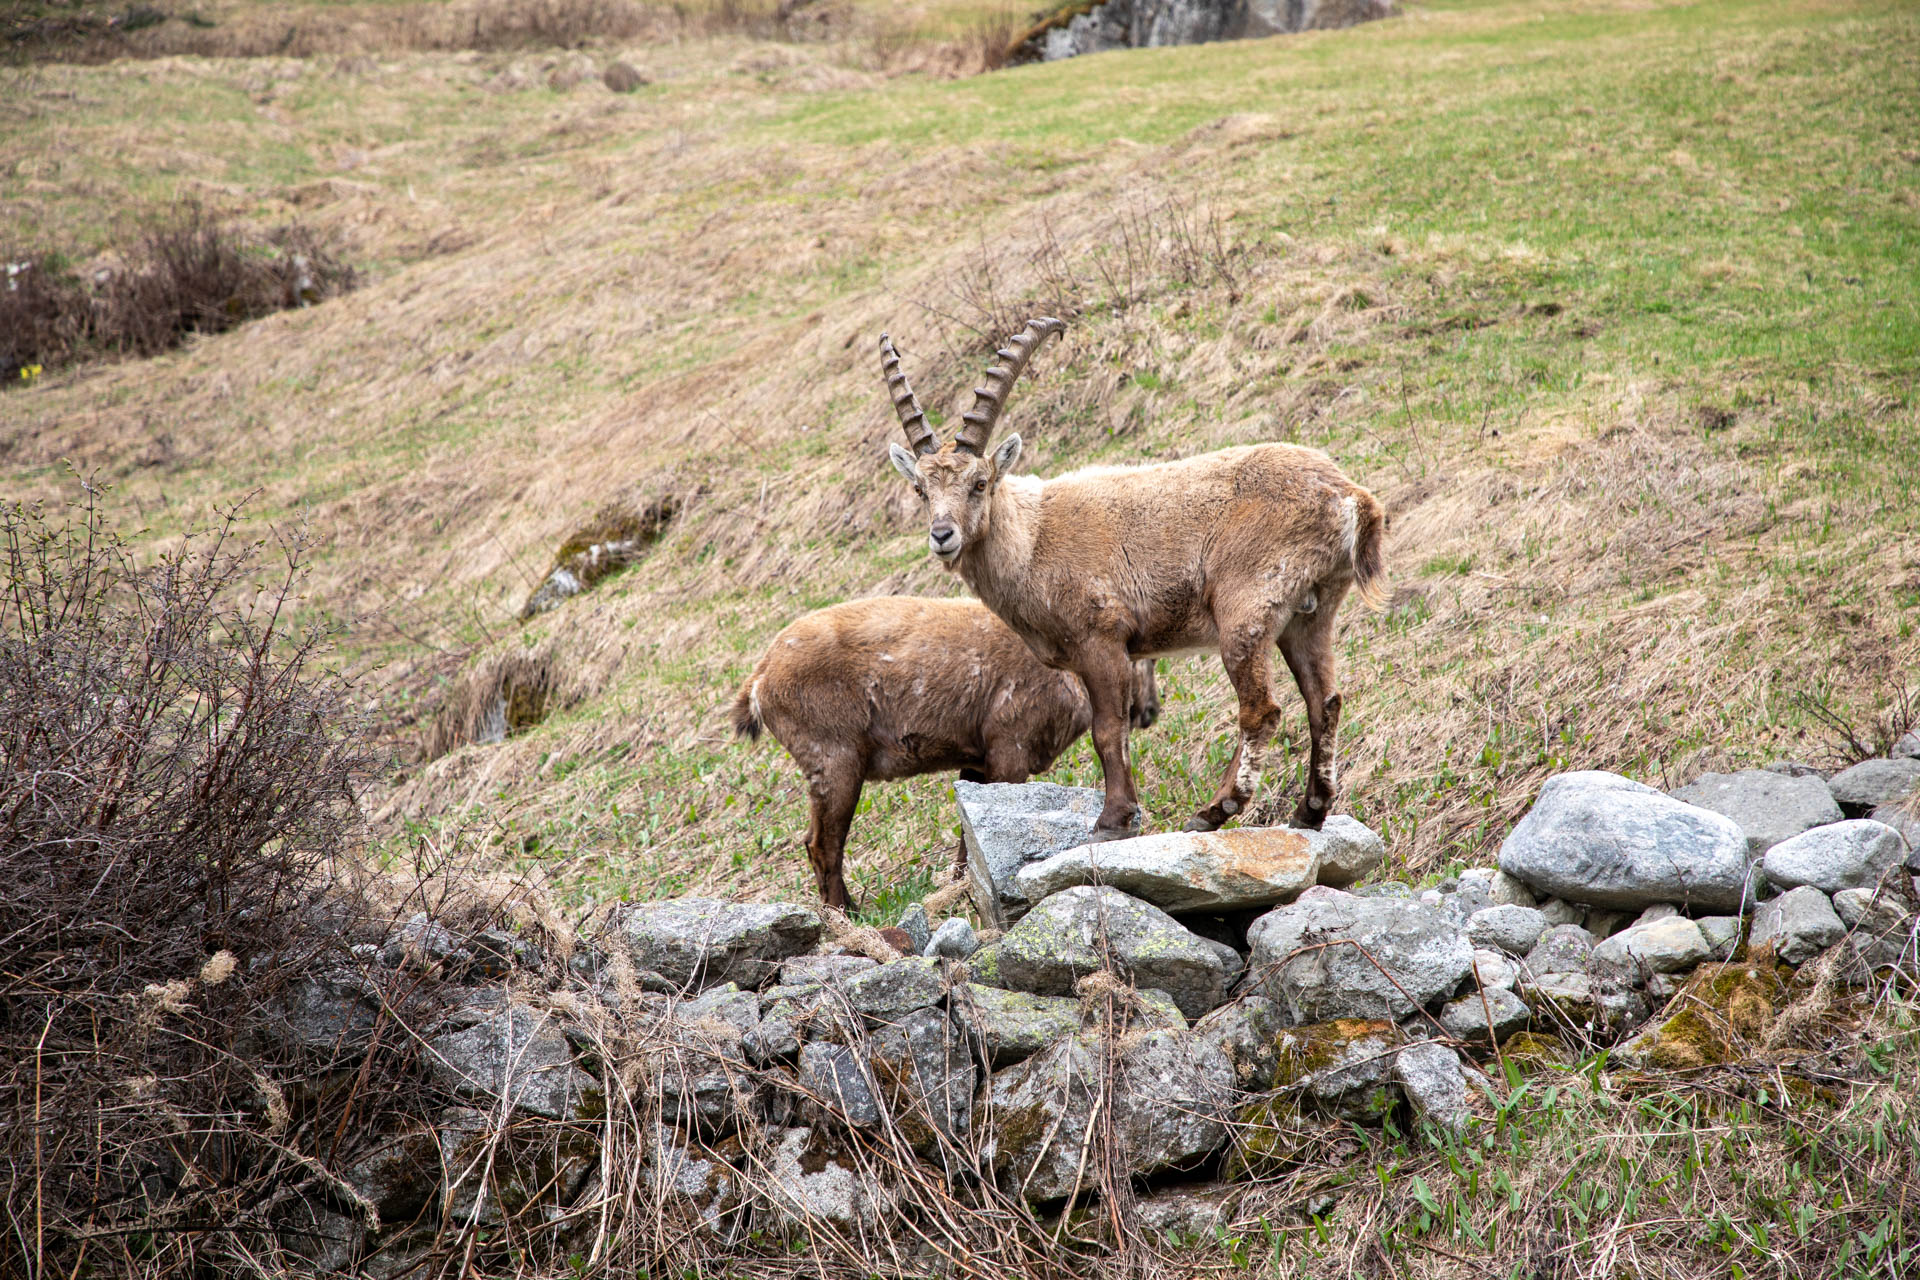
[874, 690]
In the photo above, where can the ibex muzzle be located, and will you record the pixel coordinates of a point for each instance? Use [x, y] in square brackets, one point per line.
[1247, 550]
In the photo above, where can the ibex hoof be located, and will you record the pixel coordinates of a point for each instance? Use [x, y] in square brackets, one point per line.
[1305, 819]
[1197, 823]
[1100, 835]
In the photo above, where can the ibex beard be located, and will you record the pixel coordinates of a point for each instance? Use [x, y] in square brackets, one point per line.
[1246, 552]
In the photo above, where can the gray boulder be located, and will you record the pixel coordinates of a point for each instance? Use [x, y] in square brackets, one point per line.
[1799, 924]
[1872, 783]
[696, 1181]
[1429, 1074]
[837, 1078]
[1768, 807]
[891, 991]
[330, 1011]
[926, 1076]
[1512, 929]
[699, 942]
[1246, 1033]
[1672, 944]
[1844, 855]
[1881, 930]
[1722, 934]
[1210, 871]
[1468, 1017]
[1077, 931]
[953, 940]
[1908, 748]
[1342, 1068]
[1565, 948]
[1658, 911]
[810, 1179]
[919, 930]
[1006, 825]
[1349, 851]
[1610, 842]
[521, 1055]
[1491, 969]
[1354, 957]
[1560, 911]
[803, 971]
[420, 943]
[1505, 890]
[729, 1006]
[1013, 1025]
[1851, 905]
[1170, 1094]
[1906, 821]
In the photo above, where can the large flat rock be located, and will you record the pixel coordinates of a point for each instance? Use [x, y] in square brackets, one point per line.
[1007, 825]
[1213, 871]
[1608, 841]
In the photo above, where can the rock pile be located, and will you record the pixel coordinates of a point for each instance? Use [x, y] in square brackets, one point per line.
[1171, 1004]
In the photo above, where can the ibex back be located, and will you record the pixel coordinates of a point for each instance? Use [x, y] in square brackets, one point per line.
[1246, 551]
[896, 686]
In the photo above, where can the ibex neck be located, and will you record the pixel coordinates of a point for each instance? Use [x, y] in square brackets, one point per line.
[998, 560]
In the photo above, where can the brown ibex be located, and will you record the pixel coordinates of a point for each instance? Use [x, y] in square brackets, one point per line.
[873, 690]
[1241, 551]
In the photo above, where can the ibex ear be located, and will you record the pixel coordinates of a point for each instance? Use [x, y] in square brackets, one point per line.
[1005, 454]
[903, 463]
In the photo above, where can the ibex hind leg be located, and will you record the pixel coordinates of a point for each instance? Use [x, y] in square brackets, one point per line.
[1307, 645]
[1246, 650]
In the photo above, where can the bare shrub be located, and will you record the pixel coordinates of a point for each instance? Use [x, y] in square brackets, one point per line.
[43, 315]
[179, 769]
[189, 271]
[1145, 250]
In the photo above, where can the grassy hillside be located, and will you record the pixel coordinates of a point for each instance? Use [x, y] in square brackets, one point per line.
[1614, 304]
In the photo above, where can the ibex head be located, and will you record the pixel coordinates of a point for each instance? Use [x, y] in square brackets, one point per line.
[956, 482]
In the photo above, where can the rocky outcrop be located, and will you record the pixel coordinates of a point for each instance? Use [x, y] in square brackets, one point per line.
[1079, 28]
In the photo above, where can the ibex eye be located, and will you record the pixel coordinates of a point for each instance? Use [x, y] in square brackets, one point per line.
[979, 486]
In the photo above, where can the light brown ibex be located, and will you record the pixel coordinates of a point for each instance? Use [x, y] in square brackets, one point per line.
[873, 690]
[1243, 551]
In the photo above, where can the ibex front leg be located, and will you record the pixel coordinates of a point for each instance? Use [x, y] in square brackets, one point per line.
[1107, 672]
[1246, 650]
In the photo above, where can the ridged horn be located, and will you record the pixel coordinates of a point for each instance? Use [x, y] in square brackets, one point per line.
[977, 423]
[905, 403]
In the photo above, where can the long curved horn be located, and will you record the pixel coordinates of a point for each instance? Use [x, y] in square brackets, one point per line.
[905, 403]
[977, 423]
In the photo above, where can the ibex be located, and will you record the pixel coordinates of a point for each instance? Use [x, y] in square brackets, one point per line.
[874, 690]
[1241, 550]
